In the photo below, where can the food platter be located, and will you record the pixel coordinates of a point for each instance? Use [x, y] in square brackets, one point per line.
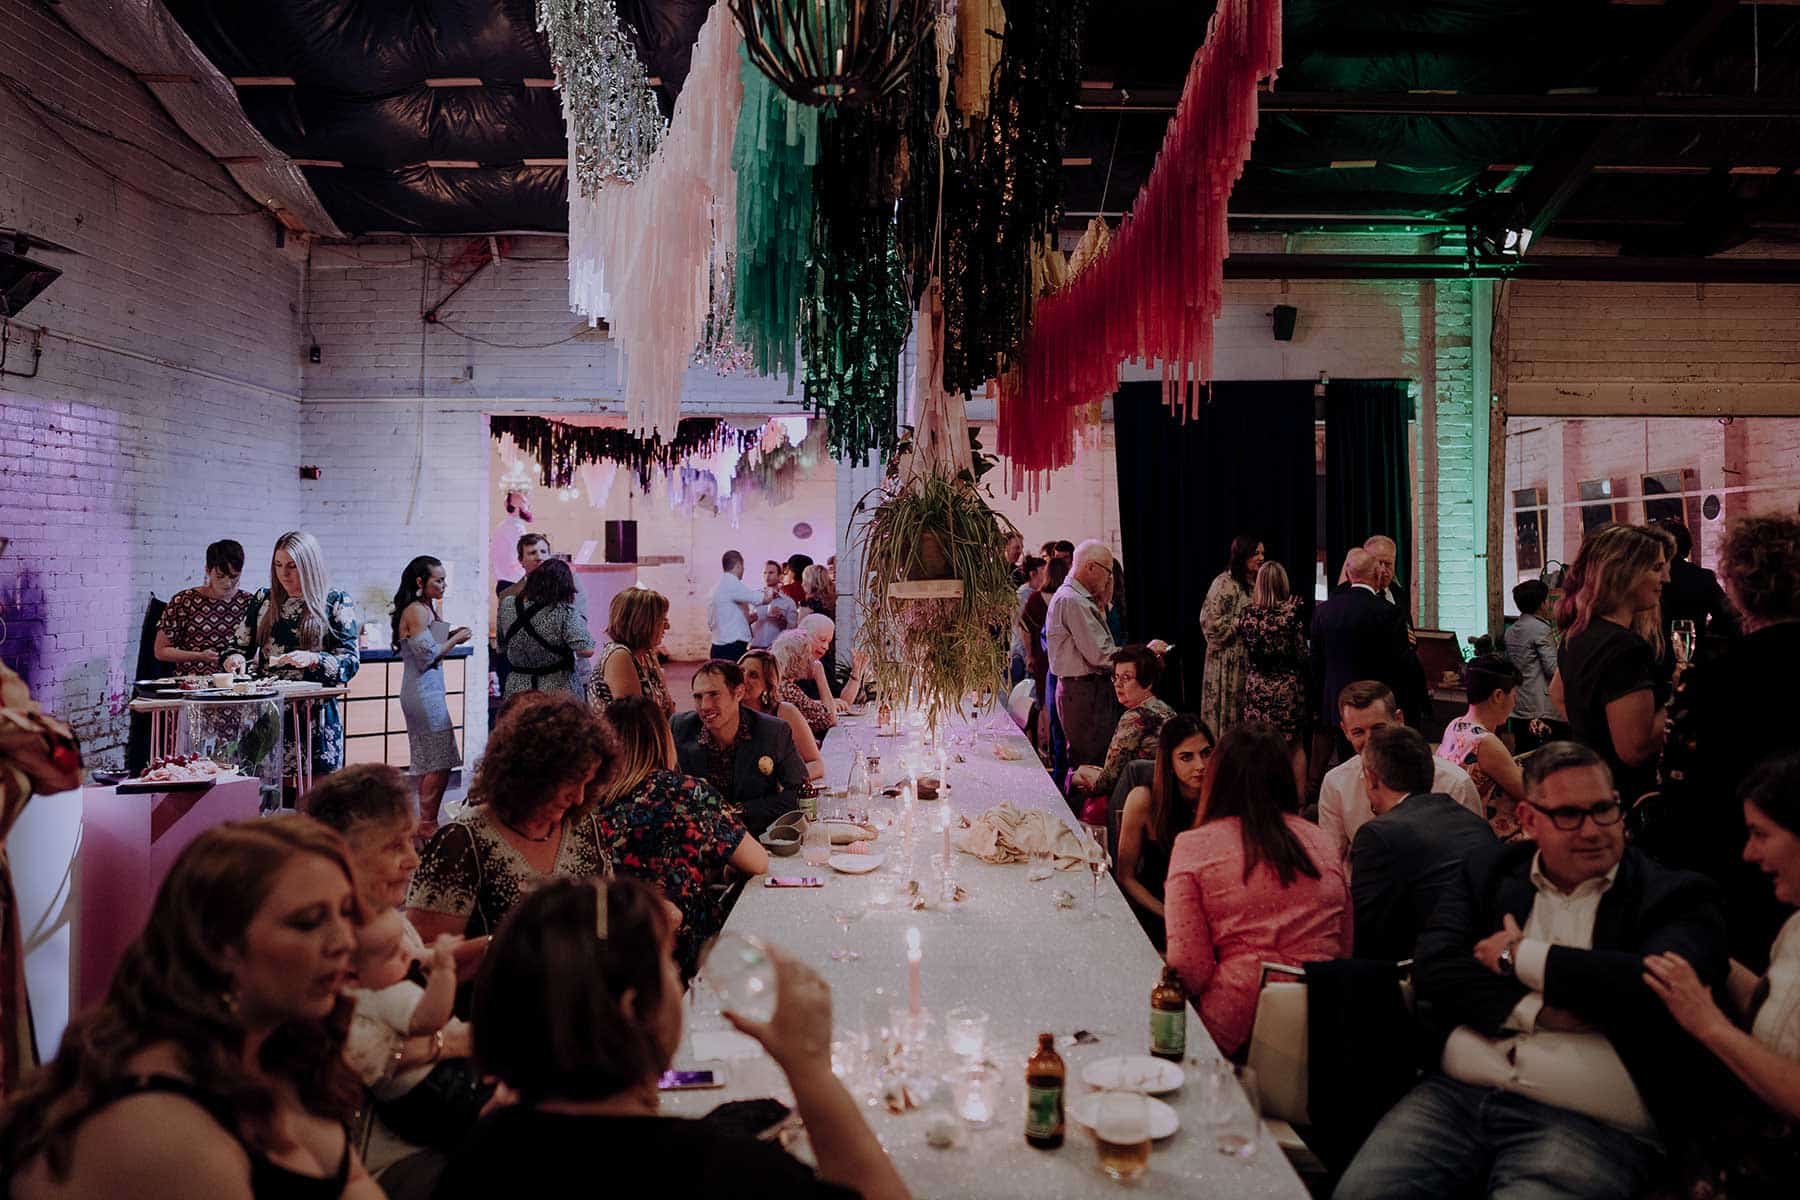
[182, 773]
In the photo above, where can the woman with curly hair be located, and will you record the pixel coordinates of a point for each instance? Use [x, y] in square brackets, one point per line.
[1726, 717]
[213, 1067]
[527, 819]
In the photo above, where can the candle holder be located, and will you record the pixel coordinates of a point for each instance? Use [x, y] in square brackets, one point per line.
[976, 1089]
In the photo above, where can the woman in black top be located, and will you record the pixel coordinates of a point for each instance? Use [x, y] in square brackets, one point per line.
[214, 1066]
[578, 1011]
[1153, 815]
[1607, 678]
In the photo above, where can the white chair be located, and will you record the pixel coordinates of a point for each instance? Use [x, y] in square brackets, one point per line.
[1278, 1048]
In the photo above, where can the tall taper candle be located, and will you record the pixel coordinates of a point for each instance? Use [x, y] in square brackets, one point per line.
[913, 955]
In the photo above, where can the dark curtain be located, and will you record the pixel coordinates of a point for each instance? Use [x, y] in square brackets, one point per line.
[1243, 464]
[1368, 470]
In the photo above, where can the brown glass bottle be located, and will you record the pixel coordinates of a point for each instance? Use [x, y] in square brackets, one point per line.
[1044, 1077]
[1168, 1017]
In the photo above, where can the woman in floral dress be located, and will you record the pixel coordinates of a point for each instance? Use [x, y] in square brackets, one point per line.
[1276, 658]
[1222, 686]
[300, 627]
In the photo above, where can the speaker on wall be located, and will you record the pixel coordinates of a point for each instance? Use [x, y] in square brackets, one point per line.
[621, 541]
[1285, 315]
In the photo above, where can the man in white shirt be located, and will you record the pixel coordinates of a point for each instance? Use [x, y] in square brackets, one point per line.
[1562, 1070]
[1365, 706]
[728, 612]
[770, 618]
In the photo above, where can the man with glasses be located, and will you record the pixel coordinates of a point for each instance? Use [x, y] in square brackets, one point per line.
[1562, 1074]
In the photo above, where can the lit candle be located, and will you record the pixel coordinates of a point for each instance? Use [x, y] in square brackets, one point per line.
[913, 955]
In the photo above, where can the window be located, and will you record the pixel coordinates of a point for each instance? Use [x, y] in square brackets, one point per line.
[1594, 515]
[1528, 528]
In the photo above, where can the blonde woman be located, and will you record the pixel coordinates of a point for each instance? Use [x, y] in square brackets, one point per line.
[762, 692]
[794, 657]
[1275, 655]
[636, 624]
[300, 627]
[1608, 680]
[669, 829]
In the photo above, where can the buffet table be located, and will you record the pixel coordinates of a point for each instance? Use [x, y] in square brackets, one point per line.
[1007, 949]
[297, 698]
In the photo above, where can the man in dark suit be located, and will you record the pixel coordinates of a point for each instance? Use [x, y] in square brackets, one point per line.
[1692, 592]
[750, 758]
[1358, 635]
[1418, 846]
[1561, 1066]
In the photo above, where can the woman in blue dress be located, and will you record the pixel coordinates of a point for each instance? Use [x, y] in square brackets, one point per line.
[300, 628]
[423, 641]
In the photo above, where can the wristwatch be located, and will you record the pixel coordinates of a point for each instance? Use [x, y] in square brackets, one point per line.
[1506, 962]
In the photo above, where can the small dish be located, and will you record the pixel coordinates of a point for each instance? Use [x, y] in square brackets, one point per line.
[857, 864]
[1154, 1075]
[1163, 1120]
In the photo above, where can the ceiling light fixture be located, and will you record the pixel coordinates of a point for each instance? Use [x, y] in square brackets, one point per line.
[837, 52]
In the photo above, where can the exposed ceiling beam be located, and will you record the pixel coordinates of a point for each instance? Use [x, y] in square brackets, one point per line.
[1592, 268]
[1560, 106]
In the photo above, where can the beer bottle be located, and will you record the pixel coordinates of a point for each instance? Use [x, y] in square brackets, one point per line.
[1044, 1095]
[1168, 1017]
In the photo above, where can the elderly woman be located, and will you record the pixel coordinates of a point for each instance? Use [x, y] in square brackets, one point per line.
[821, 598]
[300, 627]
[636, 625]
[670, 829]
[542, 633]
[794, 658]
[1222, 684]
[763, 691]
[817, 683]
[578, 1011]
[527, 819]
[197, 627]
[1135, 670]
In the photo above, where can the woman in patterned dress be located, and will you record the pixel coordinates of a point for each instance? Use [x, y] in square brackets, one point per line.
[637, 622]
[197, 628]
[1135, 670]
[669, 829]
[1492, 682]
[763, 691]
[1222, 685]
[1276, 658]
[529, 818]
[542, 633]
[423, 642]
[300, 627]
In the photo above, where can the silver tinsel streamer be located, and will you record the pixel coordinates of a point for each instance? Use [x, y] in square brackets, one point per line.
[614, 122]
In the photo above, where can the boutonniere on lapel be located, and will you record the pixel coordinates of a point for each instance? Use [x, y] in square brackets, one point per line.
[766, 765]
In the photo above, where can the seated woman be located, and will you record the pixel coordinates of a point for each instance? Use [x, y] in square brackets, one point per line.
[793, 654]
[212, 1067]
[1135, 670]
[1759, 1041]
[1472, 741]
[1253, 882]
[637, 624]
[527, 819]
[670, 829]
[763, 691]
[578, 1010]
[1154, 815]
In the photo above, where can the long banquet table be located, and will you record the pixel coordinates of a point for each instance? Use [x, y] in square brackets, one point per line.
[1009, 950]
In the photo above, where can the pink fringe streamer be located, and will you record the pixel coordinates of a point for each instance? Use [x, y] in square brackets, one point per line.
[1156, 292]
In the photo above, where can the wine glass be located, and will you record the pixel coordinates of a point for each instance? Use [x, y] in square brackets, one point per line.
[845, 914]
[815, 844]
[1093, 853]
[1683, 634]
[739, 972]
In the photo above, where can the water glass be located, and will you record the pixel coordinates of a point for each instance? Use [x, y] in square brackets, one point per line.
[965, 1032]
[1233, 1108]
[740, 973]
[845, 914]
[976, 1091]
[815, 845]
[1122, 1133]
[1043, 865]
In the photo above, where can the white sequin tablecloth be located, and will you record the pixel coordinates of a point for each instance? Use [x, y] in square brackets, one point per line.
[1009, 950]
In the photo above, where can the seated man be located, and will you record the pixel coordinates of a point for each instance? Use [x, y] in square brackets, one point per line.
[1419, 844]
[1364, 707]
[750, 758]
[1562, 1066]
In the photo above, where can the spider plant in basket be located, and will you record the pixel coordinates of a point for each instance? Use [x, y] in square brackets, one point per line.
[940, 595]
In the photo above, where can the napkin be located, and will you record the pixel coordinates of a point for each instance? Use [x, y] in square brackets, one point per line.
[1007, 833]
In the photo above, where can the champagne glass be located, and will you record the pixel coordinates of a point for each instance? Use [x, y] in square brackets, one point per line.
[1093, 853]
[1683, 634]
[740, 973]
[845, 914]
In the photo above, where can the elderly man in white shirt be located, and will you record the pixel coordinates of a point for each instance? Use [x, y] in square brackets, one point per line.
[1563, 1074]
[728, 611]
[1365, 706]
[1081, 649]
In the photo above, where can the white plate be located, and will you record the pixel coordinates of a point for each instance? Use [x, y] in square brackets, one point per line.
[1154, 1075]
[1163, 1121]
[856, 864]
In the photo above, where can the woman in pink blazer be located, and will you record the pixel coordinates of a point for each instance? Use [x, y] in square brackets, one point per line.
[1252, 882]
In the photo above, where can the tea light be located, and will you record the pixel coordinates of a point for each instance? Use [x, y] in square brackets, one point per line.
[914, 990]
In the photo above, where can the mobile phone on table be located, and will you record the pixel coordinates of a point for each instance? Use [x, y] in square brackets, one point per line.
[794, 881]
[681, 1081]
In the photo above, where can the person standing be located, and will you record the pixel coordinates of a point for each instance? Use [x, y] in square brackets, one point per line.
[1356, 635]
[1081, 655]
[505, 542]
[542, 634]
[423, 641]
[1274, 636]
[1385, 552]
[729, 608]
[792, 574]
[1032, 574]
[1531, 645]
[196, 627]
[1222, 684]
[1692, 592]
[773, 615]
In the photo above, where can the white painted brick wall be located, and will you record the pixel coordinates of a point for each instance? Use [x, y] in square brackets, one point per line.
[173, 420]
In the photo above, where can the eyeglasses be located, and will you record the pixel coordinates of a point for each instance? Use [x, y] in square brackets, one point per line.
[1607, 812]
[1119, 679]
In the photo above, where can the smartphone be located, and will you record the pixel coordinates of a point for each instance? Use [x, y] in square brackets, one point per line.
[794, 881]
[681, 1081]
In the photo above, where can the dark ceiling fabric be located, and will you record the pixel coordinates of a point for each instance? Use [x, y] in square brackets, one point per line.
[1245, 464]
[1368, 469]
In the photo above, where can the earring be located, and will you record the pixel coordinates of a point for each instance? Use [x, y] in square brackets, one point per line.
[230, 1001]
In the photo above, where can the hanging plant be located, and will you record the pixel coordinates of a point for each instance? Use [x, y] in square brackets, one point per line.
[926, 525]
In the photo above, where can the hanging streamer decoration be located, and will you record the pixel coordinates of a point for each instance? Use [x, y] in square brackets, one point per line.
[980, 36]
[776, 149]
[613, 119]
[1154, 294]
[561, 449]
